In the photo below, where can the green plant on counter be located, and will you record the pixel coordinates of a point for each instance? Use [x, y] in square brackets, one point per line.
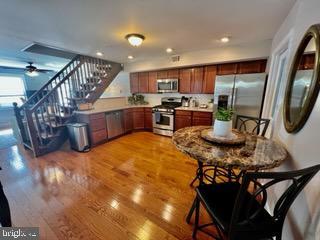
[223, 114]
[137, 99]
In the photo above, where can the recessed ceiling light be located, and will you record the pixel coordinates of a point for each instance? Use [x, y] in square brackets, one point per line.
[225, 39]
[99, 54]
[169, 50]
[135, 39]
[130, 57]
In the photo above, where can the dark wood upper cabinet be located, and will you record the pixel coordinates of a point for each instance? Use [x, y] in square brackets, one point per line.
[152, 82]
[197, 80]
[307, 61]
[257, 66]
[173, 73]
[143, 82]
[185, 78]
[227, 69]
[208, 84]
[134, 82]
[162, 74]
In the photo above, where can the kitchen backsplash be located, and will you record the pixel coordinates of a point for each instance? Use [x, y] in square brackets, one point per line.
[155, 99]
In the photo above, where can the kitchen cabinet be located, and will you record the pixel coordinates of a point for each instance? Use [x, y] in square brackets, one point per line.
[197, 80]
[257, 66]
[97, 127]
[201, 118]
[227, 69]
[185, 78]
[138, 118]
[114, 124]
[182, 119]
[162, 74]
[209, 79]
[134, 82]
[143, 82]
[127, 120]
[307, 62]
[148, 118]
[152, 82]
[173, 73]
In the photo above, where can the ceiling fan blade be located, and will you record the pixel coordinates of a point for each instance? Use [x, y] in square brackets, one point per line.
[45, 70]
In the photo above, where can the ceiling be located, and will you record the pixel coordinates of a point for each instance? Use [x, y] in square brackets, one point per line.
[86, 27]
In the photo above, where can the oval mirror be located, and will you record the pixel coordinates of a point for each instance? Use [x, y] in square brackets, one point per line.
[303, 81]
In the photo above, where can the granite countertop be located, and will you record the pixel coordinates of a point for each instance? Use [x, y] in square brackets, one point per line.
[257, 153]
[110, 109]
[195, 109]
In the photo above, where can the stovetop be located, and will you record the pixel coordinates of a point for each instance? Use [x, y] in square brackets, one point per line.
[167, 105]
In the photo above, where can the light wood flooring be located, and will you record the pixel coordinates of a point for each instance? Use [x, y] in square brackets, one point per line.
[134, 187]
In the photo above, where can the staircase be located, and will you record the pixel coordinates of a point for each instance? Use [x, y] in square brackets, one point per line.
[42, 119]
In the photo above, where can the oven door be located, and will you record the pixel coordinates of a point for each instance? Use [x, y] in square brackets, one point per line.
[162, 120]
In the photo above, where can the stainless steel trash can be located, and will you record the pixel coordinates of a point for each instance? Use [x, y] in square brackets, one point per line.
[78, 136]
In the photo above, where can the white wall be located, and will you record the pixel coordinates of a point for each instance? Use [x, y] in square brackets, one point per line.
[303, 221]
[120, 86]
[216, 55]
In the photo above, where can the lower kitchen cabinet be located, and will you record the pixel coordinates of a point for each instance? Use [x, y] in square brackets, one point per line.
[202, 118]
[138, 118]
[97, 127]
[192, 118]
[182, 119]
[127, 120]
[114, 124]
[148, 118]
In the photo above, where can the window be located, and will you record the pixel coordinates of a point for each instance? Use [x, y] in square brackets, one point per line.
[11, 90]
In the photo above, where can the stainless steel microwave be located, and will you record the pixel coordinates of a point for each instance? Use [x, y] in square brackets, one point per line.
[167, 85]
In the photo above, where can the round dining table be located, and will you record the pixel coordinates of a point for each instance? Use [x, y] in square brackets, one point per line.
[255, 154]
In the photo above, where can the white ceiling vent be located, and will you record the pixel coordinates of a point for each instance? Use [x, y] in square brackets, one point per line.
[175, 58]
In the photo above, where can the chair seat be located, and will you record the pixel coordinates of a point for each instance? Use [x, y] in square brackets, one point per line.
[219, 200]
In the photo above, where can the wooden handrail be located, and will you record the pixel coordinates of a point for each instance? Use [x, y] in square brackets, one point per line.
[49, 82]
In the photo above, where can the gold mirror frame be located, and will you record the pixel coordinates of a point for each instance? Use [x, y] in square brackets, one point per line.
[293, 127]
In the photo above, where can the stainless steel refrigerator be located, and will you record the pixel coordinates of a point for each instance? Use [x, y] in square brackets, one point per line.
[245, 91]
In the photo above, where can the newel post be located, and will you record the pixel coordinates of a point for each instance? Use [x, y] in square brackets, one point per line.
[19, 118]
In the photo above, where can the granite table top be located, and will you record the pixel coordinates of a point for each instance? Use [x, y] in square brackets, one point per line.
[257, 153]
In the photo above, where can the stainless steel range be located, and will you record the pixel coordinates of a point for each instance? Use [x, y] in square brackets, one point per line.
[163, 116]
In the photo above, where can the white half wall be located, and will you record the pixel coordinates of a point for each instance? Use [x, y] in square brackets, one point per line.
[216, 55]
[303, 220]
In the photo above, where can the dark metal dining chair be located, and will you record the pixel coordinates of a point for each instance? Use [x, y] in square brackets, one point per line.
[252, 125]
[239, 213]
[5, 216]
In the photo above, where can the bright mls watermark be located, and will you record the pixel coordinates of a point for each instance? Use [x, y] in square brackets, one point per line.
[17, 233]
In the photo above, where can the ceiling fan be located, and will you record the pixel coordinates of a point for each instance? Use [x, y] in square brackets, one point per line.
[29, 70]
[33, 71]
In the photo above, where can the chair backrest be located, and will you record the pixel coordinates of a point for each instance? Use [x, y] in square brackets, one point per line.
[253, 125]
[243, 207]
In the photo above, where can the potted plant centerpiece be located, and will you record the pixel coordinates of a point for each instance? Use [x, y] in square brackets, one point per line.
[223, 122]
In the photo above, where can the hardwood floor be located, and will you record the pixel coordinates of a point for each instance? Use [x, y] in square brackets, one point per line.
[134, 187]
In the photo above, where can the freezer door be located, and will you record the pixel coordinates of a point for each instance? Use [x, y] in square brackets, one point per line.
[224, 86]
[249, 93]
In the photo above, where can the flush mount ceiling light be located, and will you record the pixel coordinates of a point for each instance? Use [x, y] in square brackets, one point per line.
[169, 50]
[99, 54]
[130, 57]
[225, 39]
[135, 39]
